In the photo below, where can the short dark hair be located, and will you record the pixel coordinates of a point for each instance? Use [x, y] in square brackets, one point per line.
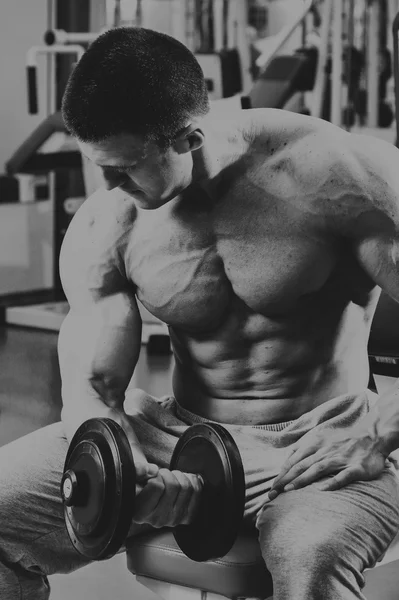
[134, 80]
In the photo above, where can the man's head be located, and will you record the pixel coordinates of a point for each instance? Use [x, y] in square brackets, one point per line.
[131, 101]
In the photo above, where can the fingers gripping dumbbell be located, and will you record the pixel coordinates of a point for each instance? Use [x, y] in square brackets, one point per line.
[98, 489]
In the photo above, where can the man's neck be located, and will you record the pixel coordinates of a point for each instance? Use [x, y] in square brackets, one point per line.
[223, 145]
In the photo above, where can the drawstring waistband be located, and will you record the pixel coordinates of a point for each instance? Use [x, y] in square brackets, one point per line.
[192, 418]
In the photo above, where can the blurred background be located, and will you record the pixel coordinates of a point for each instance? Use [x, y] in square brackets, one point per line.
[333, 59]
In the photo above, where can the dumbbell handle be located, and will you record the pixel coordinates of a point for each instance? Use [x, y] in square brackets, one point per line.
[73, 490]
[139, 487]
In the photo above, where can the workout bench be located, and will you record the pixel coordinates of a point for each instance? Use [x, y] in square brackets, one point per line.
[158, 563]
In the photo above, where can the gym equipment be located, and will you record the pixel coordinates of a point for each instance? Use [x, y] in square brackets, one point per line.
[284, 76]
[321, 96]
[379, 60]
[385, 72]
[385, 111]
[222, 71]
[218, 57]
[33, 157]
[59, 37]
[395, 30]
[98, 489]
[210, 451]
[354, 65]
[348, 116]
[366, 73]
[271, 46]
[9, 189]
[354, 59]
[385, 114]
[31, 61]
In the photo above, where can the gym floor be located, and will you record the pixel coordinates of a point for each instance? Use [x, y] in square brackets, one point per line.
[30, 398]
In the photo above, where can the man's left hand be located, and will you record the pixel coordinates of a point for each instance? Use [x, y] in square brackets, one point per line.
[343, 457]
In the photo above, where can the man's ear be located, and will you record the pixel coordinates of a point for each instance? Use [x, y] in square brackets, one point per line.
[188, 141]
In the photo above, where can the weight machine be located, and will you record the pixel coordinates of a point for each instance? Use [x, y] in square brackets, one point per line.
[395, 32]
[363, 27]
[283, 75]
[342, 72]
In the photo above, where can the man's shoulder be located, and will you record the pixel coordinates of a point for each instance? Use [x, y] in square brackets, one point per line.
[294, 153]
[348, 176]
[104, 218]
[93, 245]
[338, 179]
[322, 168]
[282, 138]
[106, 211]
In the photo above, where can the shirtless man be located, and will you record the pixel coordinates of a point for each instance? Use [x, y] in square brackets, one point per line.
[262, 238]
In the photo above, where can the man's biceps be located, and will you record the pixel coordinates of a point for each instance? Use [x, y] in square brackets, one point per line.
[79, 328]
[117, 310]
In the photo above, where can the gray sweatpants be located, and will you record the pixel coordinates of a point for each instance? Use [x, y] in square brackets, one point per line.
[316, 544]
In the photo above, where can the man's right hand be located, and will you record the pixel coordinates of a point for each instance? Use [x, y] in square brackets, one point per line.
[164, 498]
[169, 499]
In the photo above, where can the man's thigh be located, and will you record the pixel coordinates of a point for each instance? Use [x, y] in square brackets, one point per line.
[357, 522]
[31, 513]
[30, 474]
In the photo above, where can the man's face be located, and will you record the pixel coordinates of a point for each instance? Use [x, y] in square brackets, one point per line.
[141, 169]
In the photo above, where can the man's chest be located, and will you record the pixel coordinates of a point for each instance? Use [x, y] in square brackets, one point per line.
[186, 271]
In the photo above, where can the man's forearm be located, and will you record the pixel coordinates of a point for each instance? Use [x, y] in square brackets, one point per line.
[382, 422]
[82, 401]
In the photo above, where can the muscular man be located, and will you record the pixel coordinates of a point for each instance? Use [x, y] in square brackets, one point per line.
[263, 239]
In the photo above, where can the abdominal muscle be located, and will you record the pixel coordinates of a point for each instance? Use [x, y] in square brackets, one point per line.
[235, 377]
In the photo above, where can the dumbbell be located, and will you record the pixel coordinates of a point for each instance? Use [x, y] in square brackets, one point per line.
[98, 489]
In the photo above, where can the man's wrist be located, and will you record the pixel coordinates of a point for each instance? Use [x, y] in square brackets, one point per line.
[388, 443]
[384, 437]
[74, 415]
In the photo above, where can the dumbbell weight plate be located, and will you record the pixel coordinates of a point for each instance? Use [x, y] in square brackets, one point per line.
[210, 451]
[98, 489]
